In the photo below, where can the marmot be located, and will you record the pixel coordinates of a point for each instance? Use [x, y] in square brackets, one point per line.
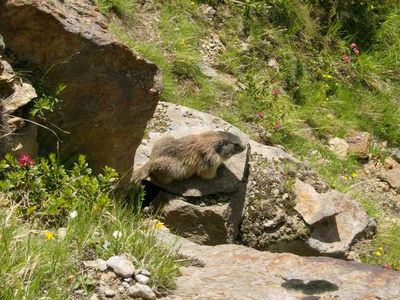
[198, 154]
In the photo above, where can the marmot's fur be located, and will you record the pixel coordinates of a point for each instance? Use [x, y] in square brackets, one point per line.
[198, 154]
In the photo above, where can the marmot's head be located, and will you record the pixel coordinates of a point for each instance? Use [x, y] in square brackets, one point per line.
[228, 144]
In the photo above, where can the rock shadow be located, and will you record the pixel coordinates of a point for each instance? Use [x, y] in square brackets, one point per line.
[310, 288]
[326, 230]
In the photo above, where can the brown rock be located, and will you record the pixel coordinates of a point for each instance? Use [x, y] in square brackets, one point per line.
[392, 177]
[312, 206]
[111, 92]
[236, 272]
[359, 143]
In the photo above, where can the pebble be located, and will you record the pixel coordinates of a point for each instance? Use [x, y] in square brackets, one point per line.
[145, 272]
[79, 292]
[141, 291]
[121, 266]
[107, 276]
[142, 279]
[94, 297]
[101, 264]
[125, 284]
[109, 293]
[128, 279]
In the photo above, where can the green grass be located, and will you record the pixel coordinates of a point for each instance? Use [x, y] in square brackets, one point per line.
[36, 261]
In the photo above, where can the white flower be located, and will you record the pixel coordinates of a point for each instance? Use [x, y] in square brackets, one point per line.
[117, 234]
[106, 245]
[73, 214]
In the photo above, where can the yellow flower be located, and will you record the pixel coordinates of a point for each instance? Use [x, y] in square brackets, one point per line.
[48, 236]
[159, 225]
[378, 253]
[327, 76]
[354, 175]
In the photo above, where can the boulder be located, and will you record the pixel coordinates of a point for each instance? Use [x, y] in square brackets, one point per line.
[339, 146]
[111, 92]
[17, 135]
[121, 266]
[237, 272]
[209, 211]
[392, 177]
[332, 233]
[359, 143]
[210, 223]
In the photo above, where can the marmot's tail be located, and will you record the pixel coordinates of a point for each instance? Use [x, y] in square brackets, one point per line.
[140, 174]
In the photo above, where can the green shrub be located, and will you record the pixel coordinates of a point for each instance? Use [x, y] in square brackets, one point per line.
[46, 191]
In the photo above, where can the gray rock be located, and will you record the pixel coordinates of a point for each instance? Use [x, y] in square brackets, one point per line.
[145, 272]
[121, 266]
[396, 155]
[339, 146]
[101, 264]
[109, 293]
[141, 291]
[392, 177]
[276, 275]
[125, 284]
[142, 279]
[333, 233]
[313, 207]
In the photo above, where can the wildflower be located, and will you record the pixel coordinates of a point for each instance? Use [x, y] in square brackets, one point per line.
[354, 175]
[159, 225]
[327, 76]
[353, 45]
[260, 115]
[346, 58]
[117, 234]
[387, 266]
[48, 236]
[73, 214]
[277, 126]
[356, 51]
[275, 92]
[25, 160]
[106, 244]
[378, 253]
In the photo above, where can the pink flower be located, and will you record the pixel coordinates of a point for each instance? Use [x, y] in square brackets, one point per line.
[353, 45]
[277, 126]
[260, 115]
[387, 266]
[275, 92]
[356, 51]
[346, 58]
[25, 160]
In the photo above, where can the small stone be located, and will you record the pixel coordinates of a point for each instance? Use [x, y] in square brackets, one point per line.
[145, 272]
[121, 266]
[101, 264]
[125, 284]
[90, 264]
[396, 155]
[128, 280]
[142, 279]
[108, 276]
[109, 293]
[121, 289]
[275, 192]
[62, 233]
[141, 291]
[94, 297]
[339, 146]
[79, 292]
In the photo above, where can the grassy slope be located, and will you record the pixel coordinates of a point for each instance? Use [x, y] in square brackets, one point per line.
[325, 88]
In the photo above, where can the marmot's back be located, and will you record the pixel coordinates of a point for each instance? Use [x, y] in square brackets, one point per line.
[177, 159]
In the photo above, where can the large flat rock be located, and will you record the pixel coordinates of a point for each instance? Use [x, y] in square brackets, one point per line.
[111, 92]
[237, 272]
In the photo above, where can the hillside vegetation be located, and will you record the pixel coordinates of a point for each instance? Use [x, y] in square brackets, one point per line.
[293, 73]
